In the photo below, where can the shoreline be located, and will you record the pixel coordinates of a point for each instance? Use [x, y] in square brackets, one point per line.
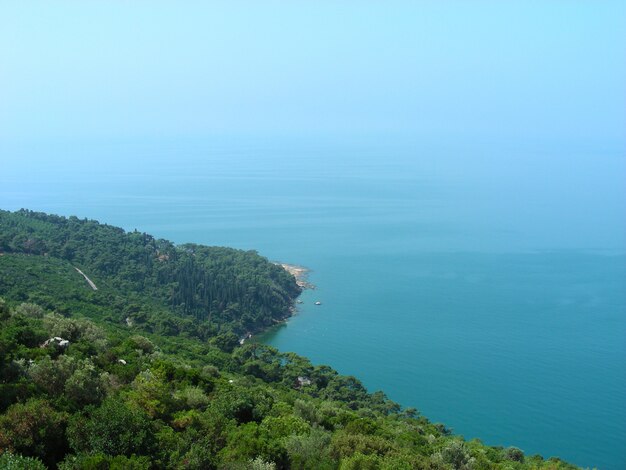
[300, 273]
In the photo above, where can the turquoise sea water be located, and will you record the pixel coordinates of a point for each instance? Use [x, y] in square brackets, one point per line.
[486, 288]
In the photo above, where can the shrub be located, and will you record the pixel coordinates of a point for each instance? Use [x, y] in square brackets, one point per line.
[29, 310]
[455, 454]
[310, 452]
[193, 397]
[112, 429]
[85, 386]
[9, 461]
[34, 429]
[513, 453]
[104, 462]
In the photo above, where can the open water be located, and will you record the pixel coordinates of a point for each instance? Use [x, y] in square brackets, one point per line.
[484, 287]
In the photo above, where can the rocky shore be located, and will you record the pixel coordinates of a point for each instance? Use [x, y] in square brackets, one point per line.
[300, 273]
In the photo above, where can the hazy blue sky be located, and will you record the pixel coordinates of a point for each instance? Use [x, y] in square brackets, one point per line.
[519, 106]
[547, 71]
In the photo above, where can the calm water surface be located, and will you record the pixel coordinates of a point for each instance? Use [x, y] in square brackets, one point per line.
[485, 288]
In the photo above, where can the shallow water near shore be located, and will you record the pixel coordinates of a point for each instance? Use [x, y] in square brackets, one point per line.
[487, 291]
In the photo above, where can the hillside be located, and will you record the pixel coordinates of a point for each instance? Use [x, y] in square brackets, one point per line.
[147, 370]
[190, 288]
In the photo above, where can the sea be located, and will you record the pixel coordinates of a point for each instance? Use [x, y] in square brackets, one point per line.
[482, 283]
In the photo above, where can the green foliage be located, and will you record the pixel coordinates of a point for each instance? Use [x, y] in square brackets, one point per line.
[219, 286]
[73, 330]
[361, 462]
[345, 445]
[455, 455]
[514, 454]
[310, 451]
[114, 428]
[150, 393]
[249, 441]
[154, 375]
[243, 403]
[34, 429]
[227, 341]
[9, 461]
[85, 386]
[192, 397]
[260, 464]
[51, 375]
[105, 462]
[141, 343]
[4, 309]
[283, 426]
[29, 310]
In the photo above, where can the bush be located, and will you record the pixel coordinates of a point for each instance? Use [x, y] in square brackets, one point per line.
[260, 464]
[112, 429]
[455, 454]
[10, 461]
[345, 445]
[51, 375]
[29, 310]
[310, 452]
[74, 329]
[104, 462]
[192, 397]
[141, 343]
[361, 462]
[34, 429]
[85, 386]
[4, 309]
[513, 453]
[283, 426]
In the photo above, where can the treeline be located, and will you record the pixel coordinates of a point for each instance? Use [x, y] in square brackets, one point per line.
[221, 287]
[75, 395]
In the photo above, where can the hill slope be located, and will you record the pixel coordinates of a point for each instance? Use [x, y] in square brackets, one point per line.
[147, 371]
[218, 288]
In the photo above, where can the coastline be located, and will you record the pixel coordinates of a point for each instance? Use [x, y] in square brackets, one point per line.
[300, 273]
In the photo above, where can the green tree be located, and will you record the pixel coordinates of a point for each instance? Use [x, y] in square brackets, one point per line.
[5, 312]
[310, 451]
[9, 461]
[51, 375]
[112, 429]
[513, 453]
[105, 462]
[361, 462]
[34, 429]
[85, 386]
[456, 454]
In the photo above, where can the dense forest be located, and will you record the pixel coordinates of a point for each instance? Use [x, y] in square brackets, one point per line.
[147, 371]
[218, 288]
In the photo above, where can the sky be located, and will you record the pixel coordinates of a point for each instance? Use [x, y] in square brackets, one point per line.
[516, 71]
[522, 102]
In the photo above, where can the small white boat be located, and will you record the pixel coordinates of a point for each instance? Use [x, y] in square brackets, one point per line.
[318, 303]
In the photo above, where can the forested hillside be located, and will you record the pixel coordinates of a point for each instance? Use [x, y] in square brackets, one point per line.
[147, 372]
[217, 287]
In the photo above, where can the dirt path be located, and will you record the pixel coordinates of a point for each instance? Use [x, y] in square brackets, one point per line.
[89, 281]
